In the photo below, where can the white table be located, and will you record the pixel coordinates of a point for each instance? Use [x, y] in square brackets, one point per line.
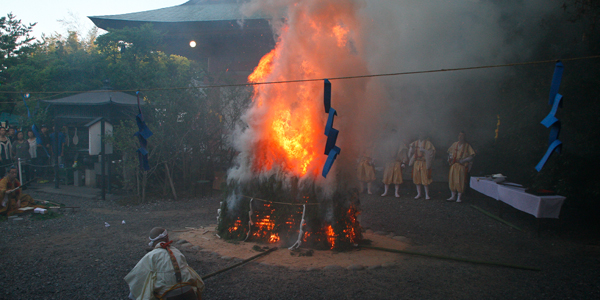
[538, 206]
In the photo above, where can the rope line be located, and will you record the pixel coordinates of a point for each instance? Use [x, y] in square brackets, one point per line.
[298, 204]
[321, 79]
[28, 164]
[4, 166]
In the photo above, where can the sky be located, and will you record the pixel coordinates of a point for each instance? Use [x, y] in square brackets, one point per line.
[75, 12]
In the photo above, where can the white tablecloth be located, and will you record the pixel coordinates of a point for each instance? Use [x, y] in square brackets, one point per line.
[538, 206]
[486, 187]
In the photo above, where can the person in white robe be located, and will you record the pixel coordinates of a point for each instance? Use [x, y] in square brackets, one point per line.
[155, 276]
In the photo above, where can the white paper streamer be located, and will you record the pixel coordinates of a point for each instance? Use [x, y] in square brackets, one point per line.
[250, 223]
[298, 242]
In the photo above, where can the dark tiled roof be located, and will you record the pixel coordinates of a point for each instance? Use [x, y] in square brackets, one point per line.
[98, 97]
[191, 11]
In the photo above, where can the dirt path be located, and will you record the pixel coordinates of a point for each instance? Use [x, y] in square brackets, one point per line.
[77, 257]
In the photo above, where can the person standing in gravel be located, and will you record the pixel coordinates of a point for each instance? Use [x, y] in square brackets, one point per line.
[393, 170]
[32, 141]
[163, 273]
[44, 150]
[460, 158]
[5, 149]
[421, 155]
[366, 170]
[20, 151]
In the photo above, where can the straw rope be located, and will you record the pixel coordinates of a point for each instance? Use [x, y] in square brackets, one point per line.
[298, 204]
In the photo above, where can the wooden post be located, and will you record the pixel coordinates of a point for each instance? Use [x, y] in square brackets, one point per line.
[171, 181]
[108, 173]
[102, 160]
[56, 148]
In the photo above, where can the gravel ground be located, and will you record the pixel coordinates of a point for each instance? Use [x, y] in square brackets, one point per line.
[77, 257]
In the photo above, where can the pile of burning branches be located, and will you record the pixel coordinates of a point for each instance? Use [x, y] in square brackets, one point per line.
[269, 212]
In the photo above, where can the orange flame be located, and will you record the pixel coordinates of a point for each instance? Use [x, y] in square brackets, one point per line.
[350, 232]
[289, 117]
[235, 226]
[341, 35]
[330, 236]
[274, 238]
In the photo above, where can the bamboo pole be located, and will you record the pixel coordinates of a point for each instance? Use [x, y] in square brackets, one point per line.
[496, 217]
[481, 262]
[239, 264]
[171, 181]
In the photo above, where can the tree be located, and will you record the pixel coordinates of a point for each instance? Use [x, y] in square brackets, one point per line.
[15, 46]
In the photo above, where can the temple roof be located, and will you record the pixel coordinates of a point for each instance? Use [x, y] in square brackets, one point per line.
[191, 11]
[98, 97]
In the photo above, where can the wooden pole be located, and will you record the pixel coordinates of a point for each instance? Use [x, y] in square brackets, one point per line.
[56, 148]
[239, 264]
[481, 262]
[171, 181]
[102, 172]
[495, 217]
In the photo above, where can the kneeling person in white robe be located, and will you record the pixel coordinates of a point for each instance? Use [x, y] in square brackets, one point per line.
[156, 275]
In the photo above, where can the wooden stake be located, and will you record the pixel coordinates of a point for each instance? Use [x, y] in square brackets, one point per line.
[453, 258]
[496, 217]
[171, 182]
[240, 263]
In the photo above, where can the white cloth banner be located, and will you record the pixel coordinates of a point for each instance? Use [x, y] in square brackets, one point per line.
[538, 206]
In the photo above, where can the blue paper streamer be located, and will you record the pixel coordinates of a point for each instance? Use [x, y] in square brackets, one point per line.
[551, 118]
[38, 138]
[556, 144]
[144, 131]
[143, 142]
[331, 139]
[554, 132]
[330, 159]
[143, 151]
[143, 159]
[143, 134]
[556, 79]
[329, 125]
[327, 95]
[550, 121]
[27, 106]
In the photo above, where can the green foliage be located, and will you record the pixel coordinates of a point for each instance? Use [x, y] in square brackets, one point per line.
[16, 45]
[189, 124]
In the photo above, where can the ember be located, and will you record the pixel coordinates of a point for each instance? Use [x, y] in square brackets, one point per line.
[279, 222]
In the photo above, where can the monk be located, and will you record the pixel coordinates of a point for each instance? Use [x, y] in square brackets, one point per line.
[163, 273]
[460, 158]
[421, 155]
[11, 196]
[365, 171]
[393, 170]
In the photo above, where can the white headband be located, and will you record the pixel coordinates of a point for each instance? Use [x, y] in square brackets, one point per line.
[160, 236]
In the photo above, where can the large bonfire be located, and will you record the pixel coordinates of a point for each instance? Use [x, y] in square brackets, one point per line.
[277, 191]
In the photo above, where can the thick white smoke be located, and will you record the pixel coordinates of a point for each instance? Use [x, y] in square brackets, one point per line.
[403, 36]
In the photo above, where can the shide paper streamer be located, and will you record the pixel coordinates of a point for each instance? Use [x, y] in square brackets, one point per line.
[331, 150]
[550, 121]
[143, 134]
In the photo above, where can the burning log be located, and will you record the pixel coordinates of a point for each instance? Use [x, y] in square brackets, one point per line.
[304, 220]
